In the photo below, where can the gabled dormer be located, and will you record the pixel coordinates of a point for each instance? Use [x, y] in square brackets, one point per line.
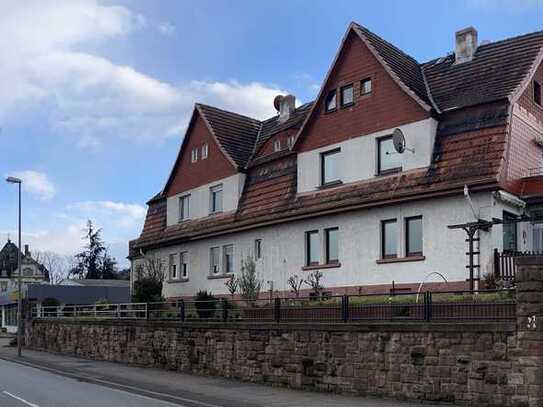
[371, 89]
[208, 176]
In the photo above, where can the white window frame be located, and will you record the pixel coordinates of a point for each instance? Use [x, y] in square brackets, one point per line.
[205, 151]
[184, 265]
[290, 141]
[277, 145]
[225, 268]
[173, 267]
[213, 207]
[212, 270]
[182, 200]
[194, 155]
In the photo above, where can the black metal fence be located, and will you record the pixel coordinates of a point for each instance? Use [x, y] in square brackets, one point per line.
[427, 306]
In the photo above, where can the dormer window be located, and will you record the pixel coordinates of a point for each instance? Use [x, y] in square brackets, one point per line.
[215, 199]
[331, 101]
[204, 151]
[365, 86]
[347, 95]
[194, 155]
[537, 93]
[388, 160]
[290, 141]
[277, 145]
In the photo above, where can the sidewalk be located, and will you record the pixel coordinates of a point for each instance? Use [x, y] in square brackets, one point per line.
[184, 389]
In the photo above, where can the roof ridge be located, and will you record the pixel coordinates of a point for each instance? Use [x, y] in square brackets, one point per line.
[230, 112]
[486, 45]
[388, 43]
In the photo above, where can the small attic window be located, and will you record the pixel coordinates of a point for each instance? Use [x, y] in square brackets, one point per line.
[365, 86]
[277, 145]
[204, 151]
[290, 141]
[537, 93]
[347, 95]
[330, 103]
[194, 155]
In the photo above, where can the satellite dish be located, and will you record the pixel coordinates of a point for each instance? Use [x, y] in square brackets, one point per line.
[277, 102]
[398, 139]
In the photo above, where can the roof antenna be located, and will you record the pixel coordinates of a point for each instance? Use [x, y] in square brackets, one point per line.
[470, 202]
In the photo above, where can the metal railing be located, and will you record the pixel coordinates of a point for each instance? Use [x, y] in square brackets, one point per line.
[430, 306]
[505, 267]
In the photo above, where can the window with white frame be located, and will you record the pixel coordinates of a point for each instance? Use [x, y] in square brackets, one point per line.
[413, 236]
[388, 160]
[228, 259]
[365, 86]
[277, 145]
[214, 260]
[215, 199]
[194, 155]
[173, 267]
[205, 149]
[184, 264]
[184, 207]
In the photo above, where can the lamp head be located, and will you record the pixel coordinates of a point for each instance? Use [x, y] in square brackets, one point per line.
[13, 180]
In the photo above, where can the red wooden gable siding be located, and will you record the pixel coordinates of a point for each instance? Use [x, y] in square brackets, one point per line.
[388, 105]
[526, 100]
[191, 175]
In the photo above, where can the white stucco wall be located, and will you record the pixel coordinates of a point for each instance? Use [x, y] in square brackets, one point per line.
[359, 155]
[359, 247]
[232, 188]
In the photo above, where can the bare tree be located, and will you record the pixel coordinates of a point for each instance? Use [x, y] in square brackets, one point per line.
[295, 283]
[153, 268]
[314, 281]
[249, 283]
[57, 265]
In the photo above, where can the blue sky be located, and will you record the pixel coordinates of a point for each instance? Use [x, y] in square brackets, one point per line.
[95, 96]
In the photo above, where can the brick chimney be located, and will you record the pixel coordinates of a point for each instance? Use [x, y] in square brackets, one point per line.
[287, 104]
[466, 45]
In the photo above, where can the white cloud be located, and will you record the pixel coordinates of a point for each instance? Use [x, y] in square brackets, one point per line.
[133, 211]
[166, 28]
[37, 184]
[44, 63]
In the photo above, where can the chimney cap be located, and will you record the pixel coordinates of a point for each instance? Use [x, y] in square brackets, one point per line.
[465, 44]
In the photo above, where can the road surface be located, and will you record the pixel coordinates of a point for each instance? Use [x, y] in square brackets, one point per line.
[23, 386]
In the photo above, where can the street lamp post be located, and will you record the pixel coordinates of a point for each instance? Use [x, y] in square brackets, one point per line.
[19, 182]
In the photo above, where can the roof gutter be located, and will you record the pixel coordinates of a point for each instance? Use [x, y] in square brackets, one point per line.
[487, 185]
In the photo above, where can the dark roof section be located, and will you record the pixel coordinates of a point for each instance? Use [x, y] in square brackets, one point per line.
[272, 126]
[236, 133]
[495, 72]
[406, 68]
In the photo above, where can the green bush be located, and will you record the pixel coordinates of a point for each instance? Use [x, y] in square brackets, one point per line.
[147, 290]
[206, 304]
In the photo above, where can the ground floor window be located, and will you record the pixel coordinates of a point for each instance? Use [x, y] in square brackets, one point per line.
[389, 239]
[228, 258]
[214, 259]
[332, 245]
[509, 232]
[173, 266]
[413, 236]
[184, 264]
[11, 315]
[312, 248]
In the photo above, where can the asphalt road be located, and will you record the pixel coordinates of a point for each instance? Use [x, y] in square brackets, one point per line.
[23, 386]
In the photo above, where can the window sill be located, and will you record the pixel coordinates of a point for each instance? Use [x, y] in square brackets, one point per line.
[321, 266]
[178, 280]
[330, 111]
[215, 213]
[330, 184]
[401, 259]
[388, 172]
[182, 221]
[347, 105]
[220, 276]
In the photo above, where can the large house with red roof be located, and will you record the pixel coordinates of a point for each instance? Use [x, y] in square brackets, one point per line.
[321, 186]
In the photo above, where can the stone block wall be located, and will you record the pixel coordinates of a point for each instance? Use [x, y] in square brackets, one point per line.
[476, 364]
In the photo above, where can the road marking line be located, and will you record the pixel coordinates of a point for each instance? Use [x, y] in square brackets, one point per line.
[108, 384]
[20, 399]
[141, 396]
